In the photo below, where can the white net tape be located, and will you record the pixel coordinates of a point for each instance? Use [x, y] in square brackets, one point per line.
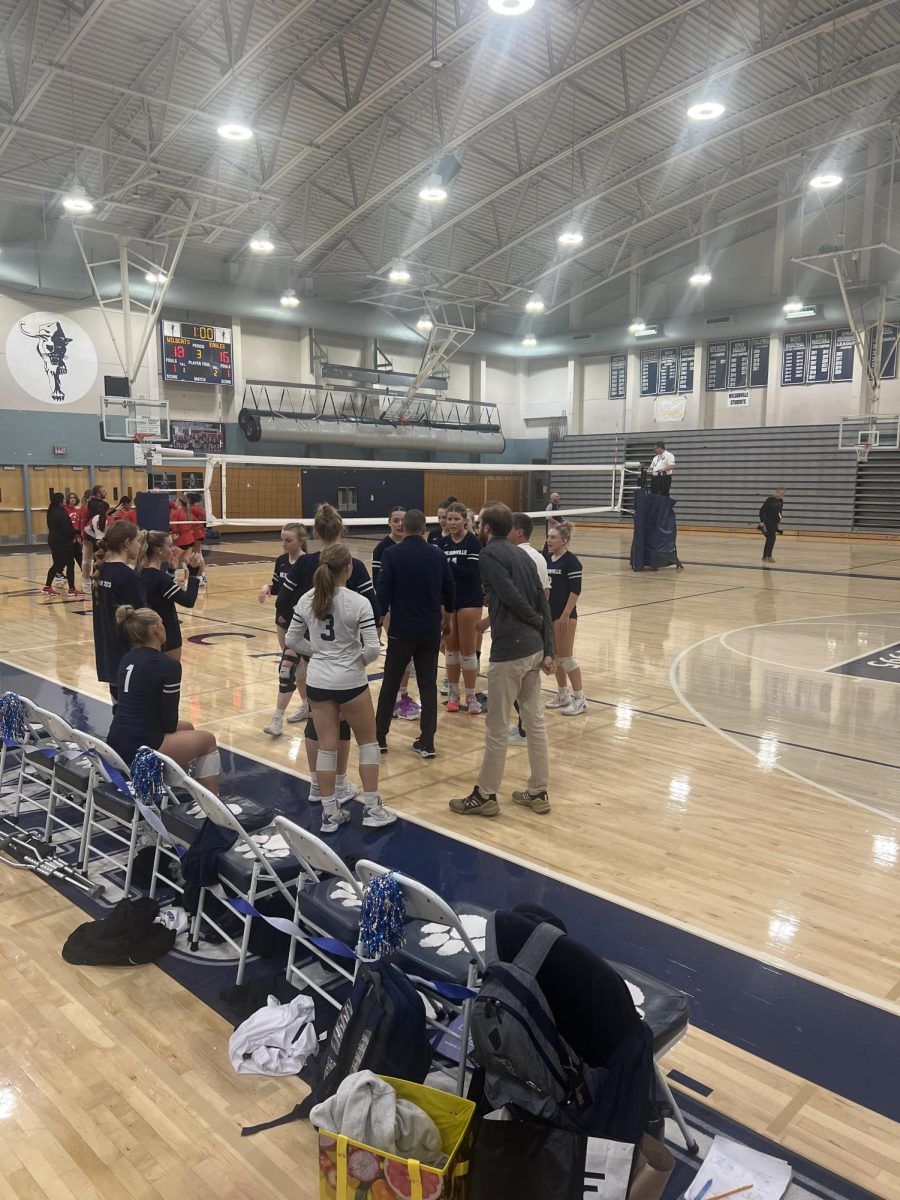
[605, 481]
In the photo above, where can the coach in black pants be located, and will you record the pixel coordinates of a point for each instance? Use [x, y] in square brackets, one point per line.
[770, 520]
[415, 588]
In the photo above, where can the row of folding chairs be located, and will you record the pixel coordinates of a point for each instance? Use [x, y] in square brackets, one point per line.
[81, 785]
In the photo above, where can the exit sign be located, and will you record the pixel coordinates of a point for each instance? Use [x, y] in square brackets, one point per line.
[59, 451]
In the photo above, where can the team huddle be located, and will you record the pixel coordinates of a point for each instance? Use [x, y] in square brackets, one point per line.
[427, 593]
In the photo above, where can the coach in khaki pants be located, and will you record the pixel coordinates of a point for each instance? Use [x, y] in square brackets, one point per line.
[521, 648]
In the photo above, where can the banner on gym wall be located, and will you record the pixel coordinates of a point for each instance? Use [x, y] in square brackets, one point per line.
[669, 408]
[51, 358]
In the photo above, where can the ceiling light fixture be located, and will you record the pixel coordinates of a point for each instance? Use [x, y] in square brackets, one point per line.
[534, 304]
[234, 131]
[432, 190]
[261, 242]
[510, 8]
[646, 331]
[529, 340]
[793, 305]
[637, 325]
[76, 201]
[706, 110]
[399, 274]
[701, 276]
[155, 277]
[570, 237]
[802, 313]
[289, 298]
[825, 180]
[424, 323]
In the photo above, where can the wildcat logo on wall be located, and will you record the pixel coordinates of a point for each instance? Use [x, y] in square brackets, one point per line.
[51, 358]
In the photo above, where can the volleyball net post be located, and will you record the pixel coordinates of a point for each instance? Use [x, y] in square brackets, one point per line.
[251, 491]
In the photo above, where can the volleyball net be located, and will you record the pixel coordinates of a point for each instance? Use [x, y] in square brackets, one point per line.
[258, 492]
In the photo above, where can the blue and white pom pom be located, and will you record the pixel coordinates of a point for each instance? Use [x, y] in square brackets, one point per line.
[12, 718]
[147, 776]
[383, 918]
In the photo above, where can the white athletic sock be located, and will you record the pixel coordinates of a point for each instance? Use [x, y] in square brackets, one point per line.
[563, 692]
[313, 784]
[329, 806]
[371, 799]
[578, 695]
[340, 781]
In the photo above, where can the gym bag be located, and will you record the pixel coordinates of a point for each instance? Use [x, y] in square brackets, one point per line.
[129, 936]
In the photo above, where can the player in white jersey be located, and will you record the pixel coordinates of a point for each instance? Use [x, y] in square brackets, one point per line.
[336, 628]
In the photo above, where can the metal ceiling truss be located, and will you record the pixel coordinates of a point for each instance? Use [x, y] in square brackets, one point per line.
[341, 135]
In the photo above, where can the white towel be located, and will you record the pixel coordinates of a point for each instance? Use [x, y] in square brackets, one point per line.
[275, 1040]
[366, 1109]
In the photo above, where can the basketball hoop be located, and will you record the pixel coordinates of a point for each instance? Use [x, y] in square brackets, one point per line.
[144, 444]
[862, 452]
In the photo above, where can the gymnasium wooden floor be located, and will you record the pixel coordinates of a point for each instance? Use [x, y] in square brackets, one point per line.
[726, 781]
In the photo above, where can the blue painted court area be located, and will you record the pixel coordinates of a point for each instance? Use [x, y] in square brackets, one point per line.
[839, 1043]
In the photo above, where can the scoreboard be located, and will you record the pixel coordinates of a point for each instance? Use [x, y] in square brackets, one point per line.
[196, 353]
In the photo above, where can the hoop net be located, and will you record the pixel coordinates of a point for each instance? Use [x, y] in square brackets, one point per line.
[260, 492]
[862, 452]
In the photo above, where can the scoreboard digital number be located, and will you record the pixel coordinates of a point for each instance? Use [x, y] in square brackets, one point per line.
[196, 353]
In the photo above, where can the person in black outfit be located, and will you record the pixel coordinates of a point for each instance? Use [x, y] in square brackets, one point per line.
[770, 520]
[415, 586]
[149, 688]
[63, 541]
[161, 588]
[114, 583]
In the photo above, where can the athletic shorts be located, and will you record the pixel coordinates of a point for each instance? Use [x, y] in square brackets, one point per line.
[344, 696]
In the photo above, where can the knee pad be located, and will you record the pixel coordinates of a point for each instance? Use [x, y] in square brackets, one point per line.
[310, 731]
[326, 760]
[470, 662]
[287, 672]
[207, 764]
[344, 732]
[568, 664]
[452, 658]
[369, 755]
[557, 662]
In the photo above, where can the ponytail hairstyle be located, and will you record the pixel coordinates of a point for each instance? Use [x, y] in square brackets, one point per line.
[137, 623]
[300, 529]
[151, 541]
[564, 529]
[117, 537]
[332, 561]
[328, 525]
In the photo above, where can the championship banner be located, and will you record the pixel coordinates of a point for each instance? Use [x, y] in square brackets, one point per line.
[669, 408]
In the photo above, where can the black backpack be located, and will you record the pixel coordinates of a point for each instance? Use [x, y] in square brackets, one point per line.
[381, 1028]
[127, 937]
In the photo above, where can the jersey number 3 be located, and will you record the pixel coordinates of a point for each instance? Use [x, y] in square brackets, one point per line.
[328, 635]
[128, 671]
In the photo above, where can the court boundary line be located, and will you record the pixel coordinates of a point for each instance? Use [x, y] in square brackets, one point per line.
[770, 662]
[635, 906]
[732, 740]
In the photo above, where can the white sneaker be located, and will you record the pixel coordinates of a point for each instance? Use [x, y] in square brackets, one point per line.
[559, 701]
[445, 687]
[515, 738]
[576, 708]
[346, 792]
[299, 714]
[275, 727]
[331, 822]
[378, 815]
[314, 797]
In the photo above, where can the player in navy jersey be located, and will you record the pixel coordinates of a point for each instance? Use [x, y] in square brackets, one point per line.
[461, 549]
[161, 588]
[149, 687]
[565, 573]
[436, 536]
[114, 582]
[406, 709]
[336, 627]
[293, 544]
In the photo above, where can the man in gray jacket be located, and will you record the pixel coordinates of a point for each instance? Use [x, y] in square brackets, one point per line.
[521, 647]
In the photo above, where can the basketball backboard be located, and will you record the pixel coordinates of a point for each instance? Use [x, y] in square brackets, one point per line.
[878, 432]
[122, 417]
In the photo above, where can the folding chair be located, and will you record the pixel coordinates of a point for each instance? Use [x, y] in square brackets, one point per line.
[667, 1011]
[425, 907]
[110, 811]
[245, 871]
[328, 902]
[12, 750]
[54, 761]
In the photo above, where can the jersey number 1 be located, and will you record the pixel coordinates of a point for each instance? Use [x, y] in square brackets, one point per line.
[128, 671]
[328, 635]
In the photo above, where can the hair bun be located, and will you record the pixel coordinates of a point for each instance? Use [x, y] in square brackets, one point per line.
[123, 612]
